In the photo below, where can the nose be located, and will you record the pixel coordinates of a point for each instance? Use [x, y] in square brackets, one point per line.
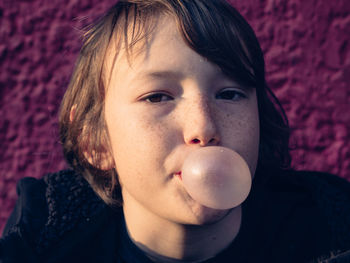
[200, 124]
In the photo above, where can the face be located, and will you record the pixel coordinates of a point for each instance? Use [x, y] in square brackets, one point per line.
[166, 103]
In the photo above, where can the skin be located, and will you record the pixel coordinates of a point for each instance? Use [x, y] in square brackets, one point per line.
[163, 105]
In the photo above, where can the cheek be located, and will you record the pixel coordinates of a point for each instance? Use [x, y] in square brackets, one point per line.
[138, 143]
[253, 140]
[241, 133]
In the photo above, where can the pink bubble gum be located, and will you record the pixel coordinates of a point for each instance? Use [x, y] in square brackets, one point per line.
[216, 177]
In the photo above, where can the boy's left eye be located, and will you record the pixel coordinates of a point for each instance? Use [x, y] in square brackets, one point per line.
[230, 94]
[157, 97]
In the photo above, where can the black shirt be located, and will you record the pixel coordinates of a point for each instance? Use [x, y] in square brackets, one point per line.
[289, 217]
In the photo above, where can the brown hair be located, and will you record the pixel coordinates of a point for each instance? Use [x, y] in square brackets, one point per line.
[213, 29]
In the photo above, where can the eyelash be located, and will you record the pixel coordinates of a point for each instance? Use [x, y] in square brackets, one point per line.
[231, 93]
[157, 97]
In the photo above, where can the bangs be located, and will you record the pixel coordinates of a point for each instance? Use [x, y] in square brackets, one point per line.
[220, 34]
[215, 31]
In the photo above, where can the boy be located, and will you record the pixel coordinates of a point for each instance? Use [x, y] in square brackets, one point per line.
[156, 80]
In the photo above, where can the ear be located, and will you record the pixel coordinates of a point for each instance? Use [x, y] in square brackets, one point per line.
[72, 112]
[100, 155]
[104, 161]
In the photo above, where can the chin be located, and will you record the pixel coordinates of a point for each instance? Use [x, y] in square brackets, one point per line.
[207, 216]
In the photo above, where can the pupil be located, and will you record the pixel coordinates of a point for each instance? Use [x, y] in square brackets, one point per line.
[155, 98]
[227, 95]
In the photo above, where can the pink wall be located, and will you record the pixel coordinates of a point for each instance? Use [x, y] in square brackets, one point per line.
[307, 50]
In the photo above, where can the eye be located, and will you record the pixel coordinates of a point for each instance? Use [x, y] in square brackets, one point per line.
[157, 97]
[230, 94]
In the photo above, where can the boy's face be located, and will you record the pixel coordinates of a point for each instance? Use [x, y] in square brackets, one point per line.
[167, 103]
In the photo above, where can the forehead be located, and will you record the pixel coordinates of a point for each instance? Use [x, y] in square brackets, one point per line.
[160, 53]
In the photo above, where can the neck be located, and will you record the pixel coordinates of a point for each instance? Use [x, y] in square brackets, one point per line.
[168, 241]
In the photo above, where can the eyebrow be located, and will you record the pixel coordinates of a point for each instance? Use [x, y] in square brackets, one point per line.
[176, 75]
[160, 74]
[170, 74]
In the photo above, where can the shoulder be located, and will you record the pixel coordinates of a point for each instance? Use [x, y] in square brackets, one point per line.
[326, 194]
[301, 214]
[326, 190]
[315, 180]
[70, 203]
[320, 187]
[30, 206]
[49, 208]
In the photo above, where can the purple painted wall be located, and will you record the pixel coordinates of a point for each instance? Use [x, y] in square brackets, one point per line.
[307, 50]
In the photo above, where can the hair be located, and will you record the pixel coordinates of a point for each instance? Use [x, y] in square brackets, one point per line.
[214, 29]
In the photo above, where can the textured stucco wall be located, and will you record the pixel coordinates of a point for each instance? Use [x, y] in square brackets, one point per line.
[307, 50]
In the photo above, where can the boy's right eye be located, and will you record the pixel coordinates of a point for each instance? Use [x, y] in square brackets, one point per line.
[157, 97]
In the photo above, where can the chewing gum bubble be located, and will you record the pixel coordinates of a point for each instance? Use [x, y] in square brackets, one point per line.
[216, 177]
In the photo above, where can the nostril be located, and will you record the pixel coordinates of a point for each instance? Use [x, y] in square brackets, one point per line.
[195, 141]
